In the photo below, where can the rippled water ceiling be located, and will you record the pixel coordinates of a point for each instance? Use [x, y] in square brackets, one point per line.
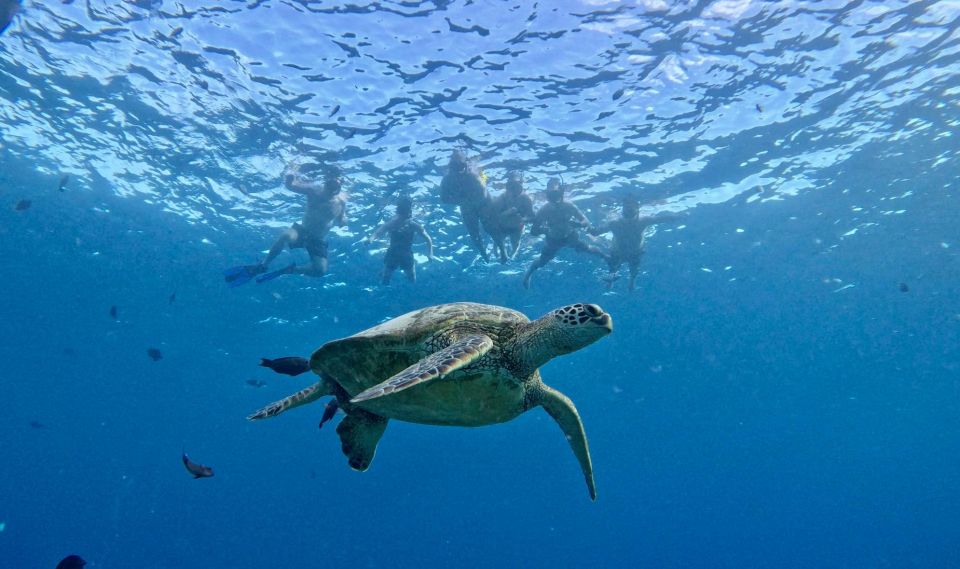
[200, 103]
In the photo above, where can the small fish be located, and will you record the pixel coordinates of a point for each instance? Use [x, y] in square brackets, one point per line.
[904, 287]
[288, 365]
[172, 299]
[113, 312]
[37, 425]
[759, 108]
[23, 205]
[71, 562]
[335, 110]
[155, 354]
[63, 182]
[618, 94]
[256, 383]
[197, 470]
[328, 412]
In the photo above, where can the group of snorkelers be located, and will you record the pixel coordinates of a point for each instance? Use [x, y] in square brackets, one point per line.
[504, 218]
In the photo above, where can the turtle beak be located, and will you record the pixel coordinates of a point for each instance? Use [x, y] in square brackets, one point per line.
[607, 322]
[598, 316]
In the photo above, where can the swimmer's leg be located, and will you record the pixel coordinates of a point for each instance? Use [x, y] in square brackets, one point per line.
[283, 241]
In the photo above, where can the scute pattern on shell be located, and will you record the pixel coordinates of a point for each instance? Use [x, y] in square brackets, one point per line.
[435, 318]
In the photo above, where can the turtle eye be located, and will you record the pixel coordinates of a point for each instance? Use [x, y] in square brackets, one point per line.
[593, 310]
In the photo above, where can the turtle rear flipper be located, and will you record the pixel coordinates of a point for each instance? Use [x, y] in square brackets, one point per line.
[359, 434]
[561, 408]
[457, 355]
[302, 397]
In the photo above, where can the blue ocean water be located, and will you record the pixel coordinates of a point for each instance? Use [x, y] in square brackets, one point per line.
[780, 391]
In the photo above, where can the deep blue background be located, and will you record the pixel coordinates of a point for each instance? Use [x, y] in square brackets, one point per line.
[766, 421]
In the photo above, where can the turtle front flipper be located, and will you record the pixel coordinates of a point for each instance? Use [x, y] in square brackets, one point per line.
[302, 397]
[359, 434]
[457, 355]
[565, 414]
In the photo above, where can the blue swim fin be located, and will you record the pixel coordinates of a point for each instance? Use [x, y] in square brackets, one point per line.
[274, 274]
[236, 276]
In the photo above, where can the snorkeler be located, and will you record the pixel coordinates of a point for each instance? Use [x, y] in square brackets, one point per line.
[402, 229]
[561, 222]
[326, 207]
[628, 239]
[465, 186]
[508, 215]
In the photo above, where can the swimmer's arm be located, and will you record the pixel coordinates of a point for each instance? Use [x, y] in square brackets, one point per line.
[663, 218]
[295, 183]
[378, 232]
[599, 229]
[579, 216]
[342, 218]
[426, 237]
[538, 222]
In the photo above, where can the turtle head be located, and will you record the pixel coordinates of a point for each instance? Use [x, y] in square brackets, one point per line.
[577, 326]
[564, 330]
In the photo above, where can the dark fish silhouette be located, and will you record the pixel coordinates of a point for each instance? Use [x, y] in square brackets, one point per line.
[22, 204]
[618, 94]
[256, 383]
[759, 108]
[328, 412]
[37, 425]
[288, 365]
[172, 299]
[155, 354]
[904, 287]
[334, 111]
[71, 562]
[63, 182]
[113, 312]
[8, 9]
[197, 470]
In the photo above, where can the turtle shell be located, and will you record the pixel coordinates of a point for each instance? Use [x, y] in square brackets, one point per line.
[481, 393]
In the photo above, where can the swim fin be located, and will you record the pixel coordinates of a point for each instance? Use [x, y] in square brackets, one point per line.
[236, 276]
[274, 274]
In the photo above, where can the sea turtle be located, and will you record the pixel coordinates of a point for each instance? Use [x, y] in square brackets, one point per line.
[461, 364]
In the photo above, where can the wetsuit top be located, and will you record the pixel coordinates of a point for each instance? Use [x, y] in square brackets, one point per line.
[560, 220]
[402, 232]
[322, 213]
[628, 235]
[522, 207]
